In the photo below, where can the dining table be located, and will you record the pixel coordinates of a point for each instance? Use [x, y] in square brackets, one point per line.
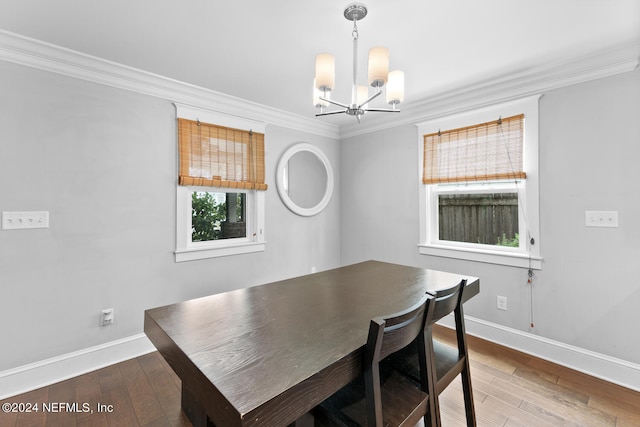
[266, 355]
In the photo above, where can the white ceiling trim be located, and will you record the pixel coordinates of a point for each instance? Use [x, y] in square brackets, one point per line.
[48, 57]
[537, 80]
[45, 56]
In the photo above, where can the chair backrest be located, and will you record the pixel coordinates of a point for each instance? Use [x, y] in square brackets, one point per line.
[446, 301]
[387, 335]
[441, 373]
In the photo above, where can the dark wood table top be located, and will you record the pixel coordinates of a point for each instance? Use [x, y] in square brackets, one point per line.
[265, 355]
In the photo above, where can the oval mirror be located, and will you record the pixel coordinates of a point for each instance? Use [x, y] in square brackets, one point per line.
[304, 179]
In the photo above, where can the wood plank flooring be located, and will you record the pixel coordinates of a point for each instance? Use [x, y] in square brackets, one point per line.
[143, 392]
[511, 389]
[514, 389]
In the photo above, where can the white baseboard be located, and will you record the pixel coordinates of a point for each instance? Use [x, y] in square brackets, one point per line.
[50, 371]
[30, 377]
[617, 371]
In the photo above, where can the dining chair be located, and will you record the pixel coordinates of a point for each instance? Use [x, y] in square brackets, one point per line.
[443, 363]
[381, 396]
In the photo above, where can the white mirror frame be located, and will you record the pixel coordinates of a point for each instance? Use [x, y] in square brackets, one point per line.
[280, 175]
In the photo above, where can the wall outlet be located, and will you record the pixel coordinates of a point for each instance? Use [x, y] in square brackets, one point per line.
[502, 303]
[106, 317]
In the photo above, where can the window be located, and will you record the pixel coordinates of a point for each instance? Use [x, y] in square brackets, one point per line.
[217, 216]
[479, 198]
[221, 183]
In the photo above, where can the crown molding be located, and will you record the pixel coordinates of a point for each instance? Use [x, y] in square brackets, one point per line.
[532, 81]
[34, 53]
[48, 57]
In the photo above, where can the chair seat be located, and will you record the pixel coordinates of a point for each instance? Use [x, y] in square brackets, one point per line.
[403, 402]
[446, 358]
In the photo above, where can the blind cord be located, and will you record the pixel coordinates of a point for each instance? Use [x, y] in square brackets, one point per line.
[530, 282]
[530, 240]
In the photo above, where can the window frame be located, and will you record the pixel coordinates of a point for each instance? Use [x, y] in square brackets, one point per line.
[477, 187]
[528, 254]
[186, 250]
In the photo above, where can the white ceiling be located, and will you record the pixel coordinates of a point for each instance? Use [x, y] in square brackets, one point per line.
[264, 51]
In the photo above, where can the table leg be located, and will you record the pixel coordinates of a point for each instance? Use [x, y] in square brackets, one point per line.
[304, 421]
[193, 411]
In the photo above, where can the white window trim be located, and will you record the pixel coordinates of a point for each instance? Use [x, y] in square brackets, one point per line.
[527, 257]
[189, 251]
[255, 240]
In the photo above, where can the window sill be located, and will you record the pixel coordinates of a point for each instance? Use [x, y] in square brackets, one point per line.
[479, 255]
[192, 254]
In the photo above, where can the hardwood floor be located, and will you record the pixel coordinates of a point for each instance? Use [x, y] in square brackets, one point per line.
[143, 391]
[511, 389]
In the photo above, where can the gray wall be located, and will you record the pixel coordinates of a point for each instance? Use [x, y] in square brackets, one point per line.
[112, 233]
[586, 294]
[102, 161]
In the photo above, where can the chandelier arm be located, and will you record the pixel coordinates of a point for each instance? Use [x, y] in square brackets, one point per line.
[328, 113]
[340, 104]
[381, 110]
[372, 97]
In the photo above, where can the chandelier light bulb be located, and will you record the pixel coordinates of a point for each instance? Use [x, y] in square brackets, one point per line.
[395, 87]
[378, 66]
[325, 72]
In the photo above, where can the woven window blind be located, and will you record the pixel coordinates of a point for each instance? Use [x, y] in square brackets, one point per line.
[483, 152]
[217, 156]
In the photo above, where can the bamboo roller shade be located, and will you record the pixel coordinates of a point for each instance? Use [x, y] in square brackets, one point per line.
[217, 156]
[482, 152]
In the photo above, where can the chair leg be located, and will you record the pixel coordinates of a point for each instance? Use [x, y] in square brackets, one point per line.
[430, 377]
[461, 338]
[468, 395]
[372, 390]
[426, 366]
[434, 411]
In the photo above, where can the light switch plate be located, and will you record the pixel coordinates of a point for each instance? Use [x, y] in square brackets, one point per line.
[601, 219]
[25, 220]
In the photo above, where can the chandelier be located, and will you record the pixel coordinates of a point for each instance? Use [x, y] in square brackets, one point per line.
[378, 76]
